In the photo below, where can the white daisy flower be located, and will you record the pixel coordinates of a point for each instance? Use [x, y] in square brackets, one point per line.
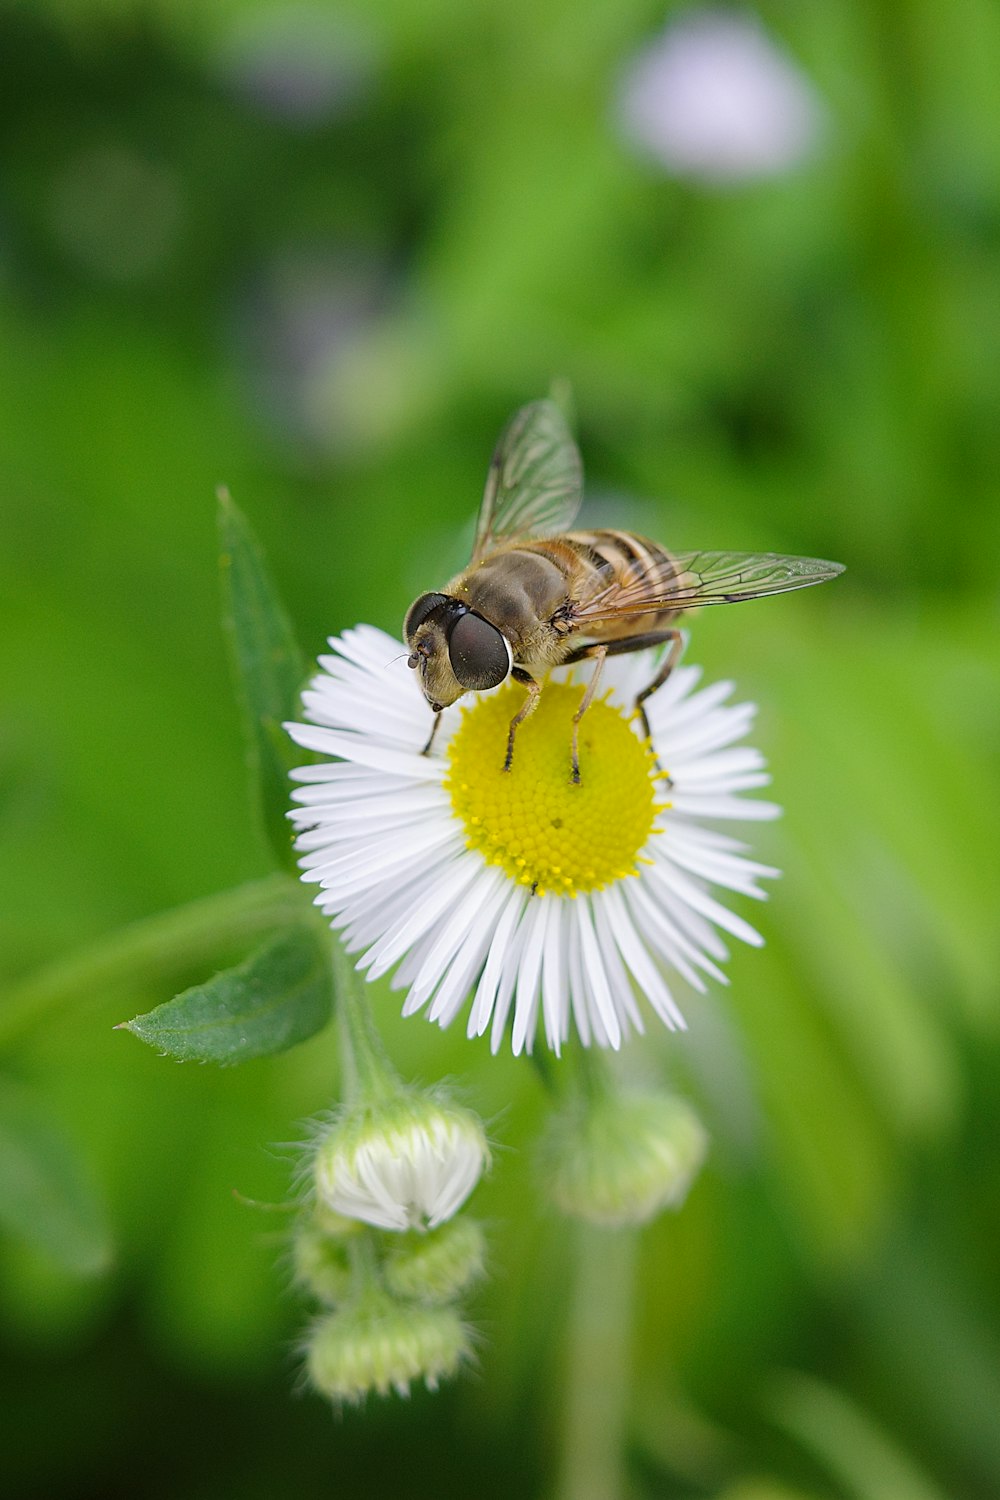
[553, 905]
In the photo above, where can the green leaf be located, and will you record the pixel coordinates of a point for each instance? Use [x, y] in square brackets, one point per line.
[860, 1455]
[45, 1197]
[280, 995]
[268, 668]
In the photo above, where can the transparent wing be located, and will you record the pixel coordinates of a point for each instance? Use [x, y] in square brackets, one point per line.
[688, 580]
[535, 481]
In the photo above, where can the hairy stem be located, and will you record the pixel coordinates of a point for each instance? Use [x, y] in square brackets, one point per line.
[597, 1372]
[368, 1073]
[152, 948]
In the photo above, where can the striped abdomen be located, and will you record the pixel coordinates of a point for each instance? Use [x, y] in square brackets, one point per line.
[612, 564]
[549, 594]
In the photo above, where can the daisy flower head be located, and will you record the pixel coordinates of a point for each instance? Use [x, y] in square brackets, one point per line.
[555, 906]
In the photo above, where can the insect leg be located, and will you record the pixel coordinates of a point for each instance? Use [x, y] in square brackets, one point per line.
[666, 667]
[621, 648]
[430, 738]
[525, 711]
[598, 653]
[638, 643]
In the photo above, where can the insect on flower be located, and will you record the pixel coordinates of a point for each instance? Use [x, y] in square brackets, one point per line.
[537, 595]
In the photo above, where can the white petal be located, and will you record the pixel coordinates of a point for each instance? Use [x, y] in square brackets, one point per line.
[618, 979]
[453, 931]
[667, 938]
[700, 901]
[748, 808]
[344, 872]
[469, 961]
[508, 978]
[486, 991]
[596, 979]
[530, 972]
[360, 749]
[683, 845]
[333, 771]
[555, 1008]
[434, 902]
[635, 954]
[579, 1000]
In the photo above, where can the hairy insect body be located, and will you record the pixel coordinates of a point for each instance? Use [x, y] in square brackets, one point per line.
[537, 595]
[532, 590]
[613, 560]
[520, 590]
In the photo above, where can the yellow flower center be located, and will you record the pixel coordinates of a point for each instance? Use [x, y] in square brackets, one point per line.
[544, 831]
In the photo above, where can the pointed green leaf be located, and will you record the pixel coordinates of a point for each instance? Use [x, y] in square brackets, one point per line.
[268, 668]
[45, 1197]
[281, 995]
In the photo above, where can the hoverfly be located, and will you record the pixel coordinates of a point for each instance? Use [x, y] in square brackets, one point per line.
[537, 595]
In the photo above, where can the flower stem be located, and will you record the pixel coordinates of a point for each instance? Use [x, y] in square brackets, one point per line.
[368, 1073]
[597, 1374]
[151, 948]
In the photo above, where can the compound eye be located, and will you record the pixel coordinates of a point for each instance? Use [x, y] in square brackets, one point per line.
[418, 612]
[480, 657]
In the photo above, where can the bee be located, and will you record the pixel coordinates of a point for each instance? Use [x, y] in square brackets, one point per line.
[537, 595]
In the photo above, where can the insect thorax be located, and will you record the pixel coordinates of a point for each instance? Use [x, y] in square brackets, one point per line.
[518, 590]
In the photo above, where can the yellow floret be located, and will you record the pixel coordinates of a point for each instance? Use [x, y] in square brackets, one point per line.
[544, 831]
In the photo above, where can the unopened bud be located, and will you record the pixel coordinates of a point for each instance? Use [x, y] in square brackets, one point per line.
[408, 1162]
[617, 1159]
[321, 1265]
[382, 1345]
[436, 1267]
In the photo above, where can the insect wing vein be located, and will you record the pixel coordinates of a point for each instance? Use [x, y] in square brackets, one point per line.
[689, 580]
[535, 479]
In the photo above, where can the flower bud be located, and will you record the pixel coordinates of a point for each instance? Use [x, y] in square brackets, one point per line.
[333, 1225]
[619, 1159]
[321, 1264]
[382, 1345]
[436, 1267]
[407, 1162]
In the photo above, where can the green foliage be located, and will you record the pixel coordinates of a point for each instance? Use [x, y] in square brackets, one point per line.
[849, 1443]
[46, 1196]
[268, 669]
[336, 315]
[280, 995]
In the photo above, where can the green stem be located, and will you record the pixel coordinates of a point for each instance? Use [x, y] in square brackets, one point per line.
[591, 1077]
[152, 948]
[368, 1073]
[582, 1073]
[364, 1262]
[597, 1374]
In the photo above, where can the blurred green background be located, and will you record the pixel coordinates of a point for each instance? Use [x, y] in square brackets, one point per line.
[320, 252]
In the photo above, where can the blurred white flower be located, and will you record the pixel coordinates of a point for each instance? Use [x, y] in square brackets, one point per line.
[300, 63]
[298, 324]
[715, 98]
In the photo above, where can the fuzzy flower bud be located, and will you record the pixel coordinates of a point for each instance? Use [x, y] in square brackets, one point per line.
[321, 1264]
[404, 1162]
[615, 1159]
[382, 1345]
[436, 1267]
